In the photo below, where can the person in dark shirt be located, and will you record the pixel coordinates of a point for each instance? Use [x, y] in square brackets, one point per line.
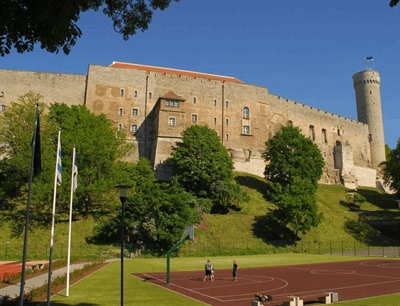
[234, 270]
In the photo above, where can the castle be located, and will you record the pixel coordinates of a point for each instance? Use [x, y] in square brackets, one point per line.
[155, 104]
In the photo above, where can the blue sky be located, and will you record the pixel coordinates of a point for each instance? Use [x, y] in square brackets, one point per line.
[303, 50]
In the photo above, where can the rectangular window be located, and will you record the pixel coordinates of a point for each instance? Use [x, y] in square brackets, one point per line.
[215, 120]
[121, 111]
[226, 136]
[121, 92]
[194, 100]
[119, 126]
[246, 129]
[1, 94]
[134, 128]
[3, 108]
[135, 93]
[215, 102]
[226, 104]
[150, 95]
[194, 118]
[226, 121]
[135, 112]
[171, 121]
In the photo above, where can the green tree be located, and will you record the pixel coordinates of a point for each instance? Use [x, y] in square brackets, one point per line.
[155, 213]
[391, 169]
[291, 155]
[53, 24]
[98, 145]
[294, 166]
[296, 209]
[202, 165]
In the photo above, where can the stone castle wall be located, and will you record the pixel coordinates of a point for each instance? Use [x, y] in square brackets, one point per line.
[131, 97]
[54, 87]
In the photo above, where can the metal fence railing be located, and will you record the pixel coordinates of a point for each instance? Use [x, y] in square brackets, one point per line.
[13, 251]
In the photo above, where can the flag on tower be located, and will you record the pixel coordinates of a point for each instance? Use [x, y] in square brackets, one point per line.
[369, 58]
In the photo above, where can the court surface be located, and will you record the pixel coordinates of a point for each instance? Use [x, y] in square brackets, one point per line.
[350, 280]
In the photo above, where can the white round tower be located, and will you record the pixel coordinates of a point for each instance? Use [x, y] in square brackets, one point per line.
[369, 111]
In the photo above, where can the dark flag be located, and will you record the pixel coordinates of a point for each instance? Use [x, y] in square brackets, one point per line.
[37, 155]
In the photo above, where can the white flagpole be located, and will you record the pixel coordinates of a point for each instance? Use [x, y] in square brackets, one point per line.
[73, 187]
[56, 179]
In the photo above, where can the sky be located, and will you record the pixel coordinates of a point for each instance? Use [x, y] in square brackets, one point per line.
[303, 50]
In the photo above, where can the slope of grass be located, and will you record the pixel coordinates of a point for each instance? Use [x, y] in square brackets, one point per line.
[232, 233]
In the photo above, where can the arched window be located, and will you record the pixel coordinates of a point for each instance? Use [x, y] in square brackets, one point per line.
[246, 112]
[312, 132]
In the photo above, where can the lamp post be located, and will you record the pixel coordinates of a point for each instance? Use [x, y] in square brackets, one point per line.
[5, 253]
[123, 195]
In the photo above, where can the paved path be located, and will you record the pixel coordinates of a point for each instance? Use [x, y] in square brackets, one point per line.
[13, 290]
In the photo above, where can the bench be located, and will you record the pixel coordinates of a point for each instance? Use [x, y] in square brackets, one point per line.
[295, 301]
[329, 298]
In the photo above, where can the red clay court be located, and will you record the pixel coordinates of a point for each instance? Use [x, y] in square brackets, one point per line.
[350, 280]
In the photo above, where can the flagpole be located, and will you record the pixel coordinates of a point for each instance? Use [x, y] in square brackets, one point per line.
[56, 180]
[38, 166]
[70, 218]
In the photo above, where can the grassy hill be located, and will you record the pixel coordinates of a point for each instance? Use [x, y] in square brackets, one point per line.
[239, 232]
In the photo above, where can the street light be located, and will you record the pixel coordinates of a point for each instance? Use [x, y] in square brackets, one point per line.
[5, 253]
[123, 195]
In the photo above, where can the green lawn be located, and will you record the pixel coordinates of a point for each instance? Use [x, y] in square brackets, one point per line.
[103, 286]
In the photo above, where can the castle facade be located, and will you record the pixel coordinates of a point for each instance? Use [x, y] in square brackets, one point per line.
[154, 105]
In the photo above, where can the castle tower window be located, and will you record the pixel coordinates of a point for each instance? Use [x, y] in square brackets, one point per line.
[135, 112]
[324, 154]
[194, 118]
[226, 136]
[290, 123]
[226, 104]
[3, 108]
[121, 92]
[246, 112]
[135, 93]
[226, 121]
[120, 111]
[134, 128]
[119, 126]
[338, 132]
[215, 102]
[171, 121]
[215, 120]
[1, 94]
[324, 136]
[246, 129]
[194, 100]
[312, 132]
[150, 95]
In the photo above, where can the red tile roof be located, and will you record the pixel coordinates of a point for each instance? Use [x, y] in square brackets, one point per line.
[177, 72]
